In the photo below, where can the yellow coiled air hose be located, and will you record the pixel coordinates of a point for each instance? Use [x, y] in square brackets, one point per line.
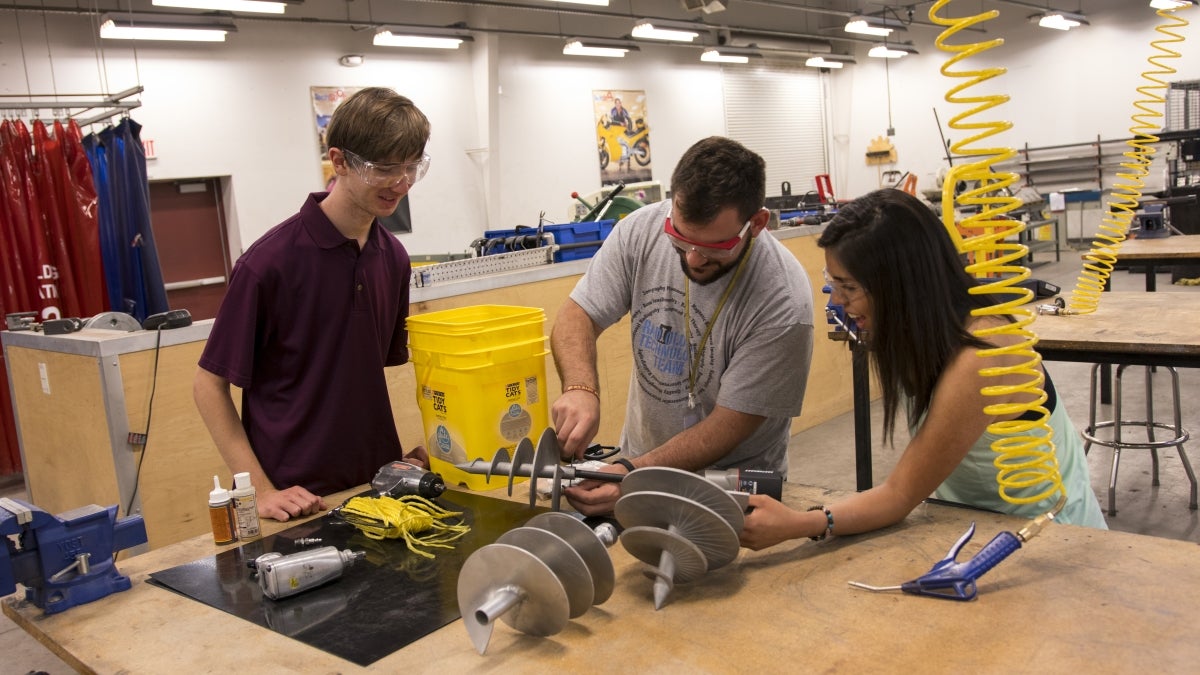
[1023, 460]
[1127, 191]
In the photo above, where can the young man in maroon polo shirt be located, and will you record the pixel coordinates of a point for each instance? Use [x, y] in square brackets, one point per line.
[314, 312]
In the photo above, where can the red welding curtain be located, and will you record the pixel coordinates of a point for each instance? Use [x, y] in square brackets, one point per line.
[49, 239]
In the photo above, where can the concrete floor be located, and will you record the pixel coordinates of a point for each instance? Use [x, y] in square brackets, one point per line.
[824, 455]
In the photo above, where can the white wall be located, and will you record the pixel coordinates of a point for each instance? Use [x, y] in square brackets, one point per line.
[513, 129]
[547, 127]
[1065, 87]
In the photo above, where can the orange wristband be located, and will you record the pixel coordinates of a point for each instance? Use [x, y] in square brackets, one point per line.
[582, 387]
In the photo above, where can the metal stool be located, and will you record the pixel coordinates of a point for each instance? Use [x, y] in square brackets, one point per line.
[1117, 443]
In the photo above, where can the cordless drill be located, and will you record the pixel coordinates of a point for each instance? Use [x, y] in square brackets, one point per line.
[397, 479]
[750, 481]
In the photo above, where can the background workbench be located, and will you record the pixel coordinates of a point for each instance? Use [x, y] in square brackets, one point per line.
[1073, 599]
[1153, 329]
[1154, 253]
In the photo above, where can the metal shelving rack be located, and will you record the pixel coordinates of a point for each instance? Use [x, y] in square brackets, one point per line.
[1052, 167]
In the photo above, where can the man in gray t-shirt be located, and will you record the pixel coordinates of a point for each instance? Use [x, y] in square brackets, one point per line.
[722, 328]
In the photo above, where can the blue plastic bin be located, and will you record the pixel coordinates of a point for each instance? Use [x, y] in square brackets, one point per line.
[588, 235]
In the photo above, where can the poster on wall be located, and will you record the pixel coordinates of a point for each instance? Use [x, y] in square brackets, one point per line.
[622, 135]
[325, 100]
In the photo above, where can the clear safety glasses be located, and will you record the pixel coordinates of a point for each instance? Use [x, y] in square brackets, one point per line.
[387, 175]
[720, 250]
[846, 290]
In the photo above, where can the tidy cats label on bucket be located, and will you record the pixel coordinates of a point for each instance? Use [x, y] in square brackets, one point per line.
[481, 374]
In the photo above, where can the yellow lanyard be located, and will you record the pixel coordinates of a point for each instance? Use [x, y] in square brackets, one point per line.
[694, 370]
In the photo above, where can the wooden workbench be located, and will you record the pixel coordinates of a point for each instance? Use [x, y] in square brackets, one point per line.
[1156, 252]
[1131, 327]
[1072, 600]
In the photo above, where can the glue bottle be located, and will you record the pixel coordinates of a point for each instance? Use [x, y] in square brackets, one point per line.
[220, 512]
[245, 506]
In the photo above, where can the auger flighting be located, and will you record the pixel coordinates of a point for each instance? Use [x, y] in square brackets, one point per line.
[536, 577]
[679, 523]
[542, 462]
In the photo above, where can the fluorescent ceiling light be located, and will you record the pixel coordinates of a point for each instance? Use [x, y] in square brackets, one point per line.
[129, 26]
[861, 27]
[890, 51]
[259, 6]
[706, 6]
[822, 62]
[714, 56]
[648, 31]
[1170, 4]
[1059, 20]
[420, 38]
[872, 25]
[579, 48]
[601, 3]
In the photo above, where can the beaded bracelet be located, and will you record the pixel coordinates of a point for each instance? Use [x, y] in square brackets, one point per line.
[582, 387]
[828, 522]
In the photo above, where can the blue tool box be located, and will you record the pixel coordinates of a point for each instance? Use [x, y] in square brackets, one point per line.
[578, 240]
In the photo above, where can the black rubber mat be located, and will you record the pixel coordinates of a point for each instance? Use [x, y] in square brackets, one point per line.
[377, 606]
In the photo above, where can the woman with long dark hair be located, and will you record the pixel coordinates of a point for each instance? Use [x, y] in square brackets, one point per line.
[895, 270]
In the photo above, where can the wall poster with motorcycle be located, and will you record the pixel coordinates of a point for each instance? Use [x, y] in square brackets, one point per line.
[622, 135]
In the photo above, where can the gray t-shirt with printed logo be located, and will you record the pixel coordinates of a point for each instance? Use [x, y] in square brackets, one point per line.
[755, 360]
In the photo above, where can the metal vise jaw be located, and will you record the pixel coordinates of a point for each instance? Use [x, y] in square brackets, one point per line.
[64, 560]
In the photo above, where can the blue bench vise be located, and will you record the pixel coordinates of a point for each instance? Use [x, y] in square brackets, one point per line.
[64, 560]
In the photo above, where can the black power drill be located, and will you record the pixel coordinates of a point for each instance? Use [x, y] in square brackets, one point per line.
[750, 481]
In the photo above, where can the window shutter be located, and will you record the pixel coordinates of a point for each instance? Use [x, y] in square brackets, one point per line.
[779, 112]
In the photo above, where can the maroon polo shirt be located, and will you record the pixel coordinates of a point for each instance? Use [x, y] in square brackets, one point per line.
[306, 327]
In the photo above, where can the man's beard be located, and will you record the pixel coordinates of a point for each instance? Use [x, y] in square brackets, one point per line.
[720, 271]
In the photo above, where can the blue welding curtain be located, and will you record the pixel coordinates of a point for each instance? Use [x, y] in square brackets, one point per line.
[131, 269]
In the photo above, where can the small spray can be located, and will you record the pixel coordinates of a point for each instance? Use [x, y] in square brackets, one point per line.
[220, 512]
[245, 507]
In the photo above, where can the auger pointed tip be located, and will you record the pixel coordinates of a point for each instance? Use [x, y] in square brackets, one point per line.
[662, 590]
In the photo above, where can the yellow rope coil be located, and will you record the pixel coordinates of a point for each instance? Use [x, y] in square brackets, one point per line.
[405, 517]
[1022, 460]
[1127, 191]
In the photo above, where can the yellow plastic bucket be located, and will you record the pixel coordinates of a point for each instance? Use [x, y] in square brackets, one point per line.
[481, 384]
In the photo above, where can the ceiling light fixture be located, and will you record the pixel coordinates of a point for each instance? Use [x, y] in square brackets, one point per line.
[257, 6]
[351, 60]
[828, 61]
[706, 6]
[1171, 4]
[714, 56]
[421, 37]
[659, 30]
[600, 3]
[130, 26]
[613, 49]
[872, 25]
[1059, 20]
[890, 51]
